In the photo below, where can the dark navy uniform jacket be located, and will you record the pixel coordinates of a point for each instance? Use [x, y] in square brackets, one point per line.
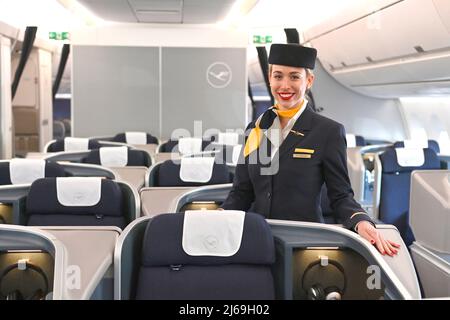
[305, 163]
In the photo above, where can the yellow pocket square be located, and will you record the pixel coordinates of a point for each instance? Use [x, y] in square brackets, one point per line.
[310, 151]
[301, 155]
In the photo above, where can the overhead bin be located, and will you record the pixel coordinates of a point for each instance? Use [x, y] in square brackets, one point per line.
[389, 53]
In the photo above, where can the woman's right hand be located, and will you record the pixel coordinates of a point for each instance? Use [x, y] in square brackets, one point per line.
[370, 233]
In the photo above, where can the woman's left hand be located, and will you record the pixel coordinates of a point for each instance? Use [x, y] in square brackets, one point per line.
[371, 234]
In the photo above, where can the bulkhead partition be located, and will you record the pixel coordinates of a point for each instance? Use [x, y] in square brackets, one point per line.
[430, 208]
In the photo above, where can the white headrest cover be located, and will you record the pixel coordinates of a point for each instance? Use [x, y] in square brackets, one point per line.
[76, 144]
[351, 140]
[79, 191]
[228, 138]
[198, 169]
[410, 157]
[188, 146]
[136, 137]
[416, 144]
[212, 233]
[26, 170]
[113, 156]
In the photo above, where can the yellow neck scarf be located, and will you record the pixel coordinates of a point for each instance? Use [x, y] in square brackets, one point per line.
[256, 134]
[287, 113]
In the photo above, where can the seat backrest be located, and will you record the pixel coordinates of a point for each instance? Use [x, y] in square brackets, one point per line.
[16, 174]
[395, 189]
[125, 138]
[58, 145]
[172, 146]
[75, 201]
[133, 157]
[432, 144]
[167, 174]
[171, 266]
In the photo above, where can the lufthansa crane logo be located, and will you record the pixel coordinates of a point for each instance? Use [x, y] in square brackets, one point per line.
[218, 75]
[210, 242]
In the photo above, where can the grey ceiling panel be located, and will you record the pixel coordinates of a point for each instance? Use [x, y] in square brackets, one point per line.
[157, 5]
[112, 10]
[160, 11]
[200, 11]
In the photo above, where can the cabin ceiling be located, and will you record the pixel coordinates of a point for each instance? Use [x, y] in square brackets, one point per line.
[160, 11]
[388, 53]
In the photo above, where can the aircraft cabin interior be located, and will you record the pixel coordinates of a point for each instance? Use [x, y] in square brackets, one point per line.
[125, 133]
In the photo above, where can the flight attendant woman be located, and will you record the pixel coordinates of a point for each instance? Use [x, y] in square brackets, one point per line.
[291, 151]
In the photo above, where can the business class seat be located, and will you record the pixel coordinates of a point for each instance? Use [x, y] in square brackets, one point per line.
[395, 185]
[23, 171]
[170, 173]
[170, 179]
[129, 165]
[72, 144]
[140, 140]
[118, 157]
[217, 255]
[432, 144]
[135, 138]
[75, 201]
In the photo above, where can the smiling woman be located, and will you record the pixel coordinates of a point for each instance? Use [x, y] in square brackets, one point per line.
[318, 155]
[314, 82]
